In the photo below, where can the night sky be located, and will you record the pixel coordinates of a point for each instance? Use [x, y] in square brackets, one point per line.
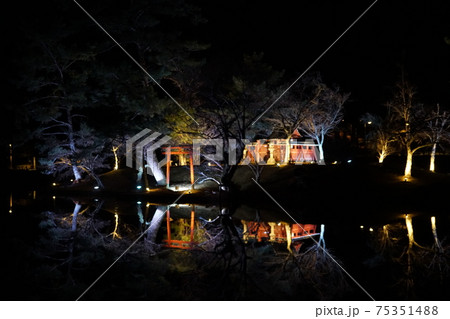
[366, 61]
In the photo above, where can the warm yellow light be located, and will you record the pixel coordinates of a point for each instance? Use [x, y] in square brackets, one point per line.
[116, 158]
[54, 197]
[370, 229]
[147, 189]
[370, 122]
[114, 233]
[409, 227]
[54, 184]
[362, 227]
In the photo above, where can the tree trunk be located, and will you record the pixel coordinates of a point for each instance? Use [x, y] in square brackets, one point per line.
[409, 159]
[382, 154]
[432, 158]
[436, 239]
[155, 224]
[76, 210]
[154, 168]
[76, 173]
[321, 154]
[287, 153]
[97, 179]
[116, 157]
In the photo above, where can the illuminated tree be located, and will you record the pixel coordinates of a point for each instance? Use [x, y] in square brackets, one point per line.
[74, 75]
[384, 145]
[382, 138]
[154, 34]
[409, 121]
[438, 131]
[227, 108]
[289, 113]
[60, 103]
[323, 114]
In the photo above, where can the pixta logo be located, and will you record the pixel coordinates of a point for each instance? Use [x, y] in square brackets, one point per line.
[146, 141]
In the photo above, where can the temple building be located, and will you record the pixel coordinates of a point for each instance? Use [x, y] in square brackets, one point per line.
[294, 150]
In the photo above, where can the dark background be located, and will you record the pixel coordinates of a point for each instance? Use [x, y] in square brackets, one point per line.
[367, 61]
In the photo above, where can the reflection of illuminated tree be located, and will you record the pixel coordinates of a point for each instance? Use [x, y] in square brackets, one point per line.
[440, 256]
[321, 269]
[66, 247]
[155, 224]
[414, 267]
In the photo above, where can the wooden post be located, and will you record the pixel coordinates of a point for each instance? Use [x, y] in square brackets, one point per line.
[191, 167]
[192, 224]
[168, 156]
[169, 239]
[272, 235]
[288, 237]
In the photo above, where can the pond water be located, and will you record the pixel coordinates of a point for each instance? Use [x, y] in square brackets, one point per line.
[62, 248]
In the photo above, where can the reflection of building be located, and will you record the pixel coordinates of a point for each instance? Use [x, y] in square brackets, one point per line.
[281, 151]
[180, 232]
[278, 232]
[184, 231]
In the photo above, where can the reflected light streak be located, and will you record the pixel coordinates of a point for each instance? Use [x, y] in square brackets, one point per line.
[436, 239]
[409, 227]
[114, 233]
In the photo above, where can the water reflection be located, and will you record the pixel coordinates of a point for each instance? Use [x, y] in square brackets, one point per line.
[194, 252]
[418, 270]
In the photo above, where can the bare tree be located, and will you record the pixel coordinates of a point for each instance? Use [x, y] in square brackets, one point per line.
[384, 144]
[323, 115]
[438, 131]
[290, 113]
[381, 139]
[409, 122]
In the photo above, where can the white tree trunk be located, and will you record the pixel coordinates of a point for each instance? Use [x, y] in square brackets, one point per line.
[409, 159]
[432, 158]
[436, 239]
[287, 153]
[321, 154]
[155, 169]
[155, 224]
[76, 173]
[76, 210]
